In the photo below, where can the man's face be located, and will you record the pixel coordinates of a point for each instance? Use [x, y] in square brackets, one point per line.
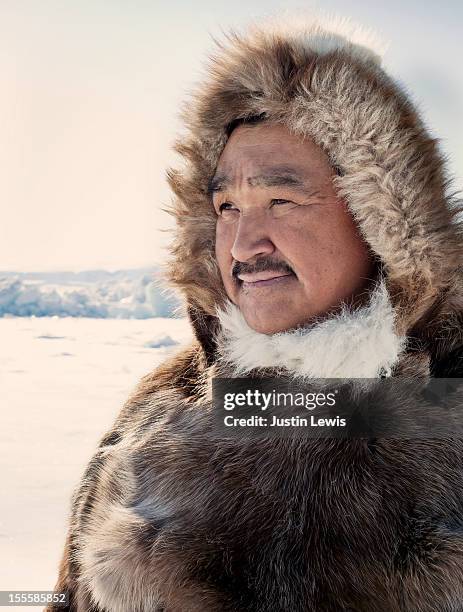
[286, 245]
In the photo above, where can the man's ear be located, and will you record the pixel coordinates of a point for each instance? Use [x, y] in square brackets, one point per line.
[206, 328]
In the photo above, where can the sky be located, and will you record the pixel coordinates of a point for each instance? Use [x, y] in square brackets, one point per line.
[89, 101]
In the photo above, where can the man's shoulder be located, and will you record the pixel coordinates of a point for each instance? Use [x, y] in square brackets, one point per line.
[180, 371]
[156, 392]
[179, 374]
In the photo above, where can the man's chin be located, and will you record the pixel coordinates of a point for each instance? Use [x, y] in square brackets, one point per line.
[267, 324]
[270, 312]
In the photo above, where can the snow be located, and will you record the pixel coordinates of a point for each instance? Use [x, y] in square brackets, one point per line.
[62, 383]
[160, 340]
[129, 294]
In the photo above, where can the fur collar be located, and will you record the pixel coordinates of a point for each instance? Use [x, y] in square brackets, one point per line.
[359, 343]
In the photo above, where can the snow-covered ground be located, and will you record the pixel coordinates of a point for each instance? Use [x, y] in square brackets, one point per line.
[62, 382]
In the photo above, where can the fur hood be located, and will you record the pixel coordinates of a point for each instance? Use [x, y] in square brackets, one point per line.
[326, 84]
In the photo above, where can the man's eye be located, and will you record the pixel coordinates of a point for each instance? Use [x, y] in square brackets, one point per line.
[227, 208]
[280, 207]
[278, 202]
[228, 212]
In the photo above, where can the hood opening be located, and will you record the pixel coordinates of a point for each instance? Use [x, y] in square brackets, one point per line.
[326, 86]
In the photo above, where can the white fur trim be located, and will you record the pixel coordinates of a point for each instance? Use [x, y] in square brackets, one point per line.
[359, 343]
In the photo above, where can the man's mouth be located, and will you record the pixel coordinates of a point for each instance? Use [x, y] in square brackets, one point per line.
[261, 279]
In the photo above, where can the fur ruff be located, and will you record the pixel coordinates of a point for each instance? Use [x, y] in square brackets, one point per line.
[359, 343]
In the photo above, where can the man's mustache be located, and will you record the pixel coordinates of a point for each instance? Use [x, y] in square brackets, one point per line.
[261, 265]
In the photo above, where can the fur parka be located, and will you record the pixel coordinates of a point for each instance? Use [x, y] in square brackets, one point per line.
[169, 518]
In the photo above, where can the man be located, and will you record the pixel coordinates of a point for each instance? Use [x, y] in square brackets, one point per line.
[315, 238]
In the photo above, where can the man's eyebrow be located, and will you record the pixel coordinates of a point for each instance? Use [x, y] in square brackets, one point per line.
[218, 183]
[276, 177]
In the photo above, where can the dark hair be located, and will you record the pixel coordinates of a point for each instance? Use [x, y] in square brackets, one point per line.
[251, 120]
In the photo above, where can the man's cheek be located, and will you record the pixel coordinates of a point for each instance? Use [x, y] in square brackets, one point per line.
[224, 261]
[223, 246]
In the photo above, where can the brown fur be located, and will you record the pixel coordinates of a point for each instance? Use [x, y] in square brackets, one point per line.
[169, 518]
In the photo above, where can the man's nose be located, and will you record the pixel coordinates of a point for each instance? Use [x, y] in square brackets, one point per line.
[251, 239]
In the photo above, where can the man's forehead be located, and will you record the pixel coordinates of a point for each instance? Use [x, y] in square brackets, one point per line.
[256, 149]
[264, 175]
